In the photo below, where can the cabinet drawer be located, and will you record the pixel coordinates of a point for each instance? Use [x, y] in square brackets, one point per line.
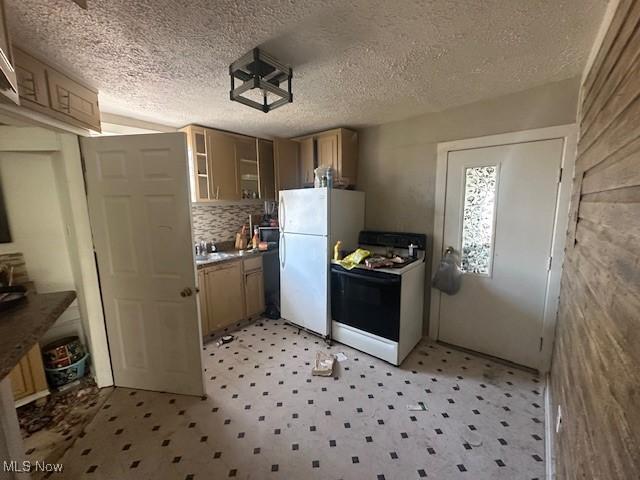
[228, 265]
[254, 293]
[253, 264]
[70, 98]
[32, 78]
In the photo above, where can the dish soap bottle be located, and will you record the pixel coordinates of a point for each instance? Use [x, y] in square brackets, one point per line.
[336, 251]
[255, 239]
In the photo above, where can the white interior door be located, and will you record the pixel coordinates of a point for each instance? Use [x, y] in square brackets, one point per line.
[139, 208]
[500, 209]
[304, 281]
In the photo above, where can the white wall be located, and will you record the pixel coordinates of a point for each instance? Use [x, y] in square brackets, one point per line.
[37, 229]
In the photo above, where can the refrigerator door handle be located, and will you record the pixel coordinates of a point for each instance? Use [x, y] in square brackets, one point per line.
[283, 251]
[281, 213]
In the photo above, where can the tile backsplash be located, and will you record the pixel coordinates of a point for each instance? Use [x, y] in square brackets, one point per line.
[219, 223]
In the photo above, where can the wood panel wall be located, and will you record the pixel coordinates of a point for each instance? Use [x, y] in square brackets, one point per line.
[595, 375]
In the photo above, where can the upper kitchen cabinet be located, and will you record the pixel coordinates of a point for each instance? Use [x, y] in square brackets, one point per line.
[307, 161]
[223, 163]
[198, 163]
[247, 165]
[339, 149]
[46, 90]
[328, 150]
[226, 166]
[266, 173]
[336, 148]
[79, 104]
[8, 79]
[32, 80]
[286, 164]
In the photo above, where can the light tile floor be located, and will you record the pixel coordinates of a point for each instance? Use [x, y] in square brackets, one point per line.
[267, 417]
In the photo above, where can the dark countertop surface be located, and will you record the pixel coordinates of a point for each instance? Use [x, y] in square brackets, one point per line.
[22, 325]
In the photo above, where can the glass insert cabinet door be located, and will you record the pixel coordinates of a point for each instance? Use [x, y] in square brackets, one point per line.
[478, 218]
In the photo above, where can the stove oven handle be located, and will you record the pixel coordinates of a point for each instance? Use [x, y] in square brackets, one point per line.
[369, 278]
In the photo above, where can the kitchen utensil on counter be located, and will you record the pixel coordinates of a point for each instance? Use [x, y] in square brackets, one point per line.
[269, 208]
[241, 239]
[255, 239]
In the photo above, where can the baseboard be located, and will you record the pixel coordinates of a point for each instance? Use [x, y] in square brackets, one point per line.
[32, 398]
[549, 426]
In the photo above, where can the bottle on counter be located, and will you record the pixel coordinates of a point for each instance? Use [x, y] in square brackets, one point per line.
[336, 251]
[255, 240]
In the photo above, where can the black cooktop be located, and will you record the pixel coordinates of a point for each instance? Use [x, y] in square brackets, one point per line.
[392, 239]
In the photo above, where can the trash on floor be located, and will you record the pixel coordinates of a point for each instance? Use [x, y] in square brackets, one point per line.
[224, 339]
[341, 357]
[419, 407]
[324, 364]
[50, 429]
[61, 410]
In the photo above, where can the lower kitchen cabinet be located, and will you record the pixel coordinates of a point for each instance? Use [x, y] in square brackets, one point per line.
[230, 292]
[225, 295]
[253, 287]
[202, 302]
[27, 377]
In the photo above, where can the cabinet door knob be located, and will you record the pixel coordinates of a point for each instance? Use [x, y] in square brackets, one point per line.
[187, 292]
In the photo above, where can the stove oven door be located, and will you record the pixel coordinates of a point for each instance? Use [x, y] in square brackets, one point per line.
[367, 300]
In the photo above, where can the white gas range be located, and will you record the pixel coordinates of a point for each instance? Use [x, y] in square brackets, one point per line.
[379, 311]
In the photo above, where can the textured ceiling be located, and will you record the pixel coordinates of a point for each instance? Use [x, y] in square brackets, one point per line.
[355, 63]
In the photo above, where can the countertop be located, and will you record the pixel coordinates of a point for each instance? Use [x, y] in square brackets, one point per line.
[231, 255]
[394, 271]
[22, 325]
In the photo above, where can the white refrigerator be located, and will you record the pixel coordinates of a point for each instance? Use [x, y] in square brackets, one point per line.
[312, 220]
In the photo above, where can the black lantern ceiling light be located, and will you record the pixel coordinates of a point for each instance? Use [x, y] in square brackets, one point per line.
[259, 70]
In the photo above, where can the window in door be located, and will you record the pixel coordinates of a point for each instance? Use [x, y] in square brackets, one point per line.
[478, 219]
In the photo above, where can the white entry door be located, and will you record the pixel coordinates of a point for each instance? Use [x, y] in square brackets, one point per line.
[139, 208]
[500, 208]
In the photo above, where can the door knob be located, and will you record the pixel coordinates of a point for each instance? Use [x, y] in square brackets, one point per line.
[187, 292]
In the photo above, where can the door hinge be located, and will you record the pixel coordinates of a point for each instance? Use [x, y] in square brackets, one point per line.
[541, 341]
[560, 175]
[550, 261]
